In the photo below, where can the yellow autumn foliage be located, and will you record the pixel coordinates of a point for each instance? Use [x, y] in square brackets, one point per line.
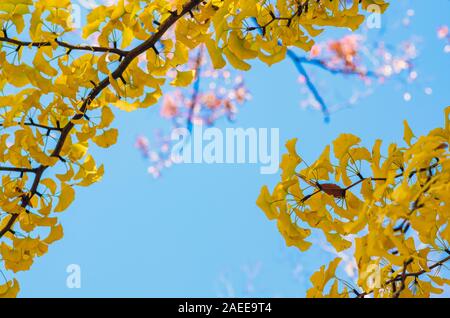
[57, 96]
[390, 212]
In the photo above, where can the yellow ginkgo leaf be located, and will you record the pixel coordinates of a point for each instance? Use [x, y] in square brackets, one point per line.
[408, 134]
[78, 151]
[10, 289]
[66, 197]
[119, 10]
[235, 61]
[107, 117]
[183, 78]
[50, 184]
[320, 278]
[56, 233]
[215, 53]
[240, 47]
[115, 85]
[107, 138]
[343, 143]
[265, 203]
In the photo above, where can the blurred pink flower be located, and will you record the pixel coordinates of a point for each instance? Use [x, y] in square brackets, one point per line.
[229, 106]
[442, 32]
[345, 49]
[143, 145]
[210, 100]
[241, 94]
[217, 94]
[315, 51]
[169, 107]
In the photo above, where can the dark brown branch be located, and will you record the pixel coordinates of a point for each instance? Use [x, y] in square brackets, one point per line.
[412, 174]
[49, 128]
[402, 280]
[70, 47]
[31, 123]
[404, 275]
[300, 9]
[338, 192]
[419, 273]
[15, 169]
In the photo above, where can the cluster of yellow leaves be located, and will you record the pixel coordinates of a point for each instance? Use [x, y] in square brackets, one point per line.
[56, 97]
[391, 211]
[249, 29]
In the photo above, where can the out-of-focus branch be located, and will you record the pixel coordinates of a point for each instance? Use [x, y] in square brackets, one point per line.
[196, 89]
[344, 71]
[298, 64]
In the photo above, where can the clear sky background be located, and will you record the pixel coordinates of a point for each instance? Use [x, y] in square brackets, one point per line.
[197, 232]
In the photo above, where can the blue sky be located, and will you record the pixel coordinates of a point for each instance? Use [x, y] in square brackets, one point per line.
[180, 235]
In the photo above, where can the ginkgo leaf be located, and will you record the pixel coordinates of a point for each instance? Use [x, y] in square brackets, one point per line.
[107, 117]
[408, 134]
[50, 184]
[107, 138]
[239, 47]
[119, 10]
[78, 151]
[275, 57]
[265, 202]
[290, 161]
[66, 198]
[115, 85]
[320, 278]
[41, 64]
[126, 106]
[235, 61]
[56, 233]
[215, 54]
[339, 243]
[343, 143]
[183, 78]
[10, 289]
[127, 37]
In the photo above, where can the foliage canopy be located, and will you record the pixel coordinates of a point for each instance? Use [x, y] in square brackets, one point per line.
[57, 97]
[389, 212]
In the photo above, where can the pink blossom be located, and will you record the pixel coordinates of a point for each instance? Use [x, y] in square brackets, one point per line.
[210, 100]
[143, 145]
[315, 51]
[242, 94]
[442, 32]
[345, 49]
[169, 107]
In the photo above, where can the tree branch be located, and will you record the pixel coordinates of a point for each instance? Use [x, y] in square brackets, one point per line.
[49, 128]
[70, 47]
[310, 84]
[419, 273]
[194, 98]
[15, 169]
[404, 275]
[319, 63]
